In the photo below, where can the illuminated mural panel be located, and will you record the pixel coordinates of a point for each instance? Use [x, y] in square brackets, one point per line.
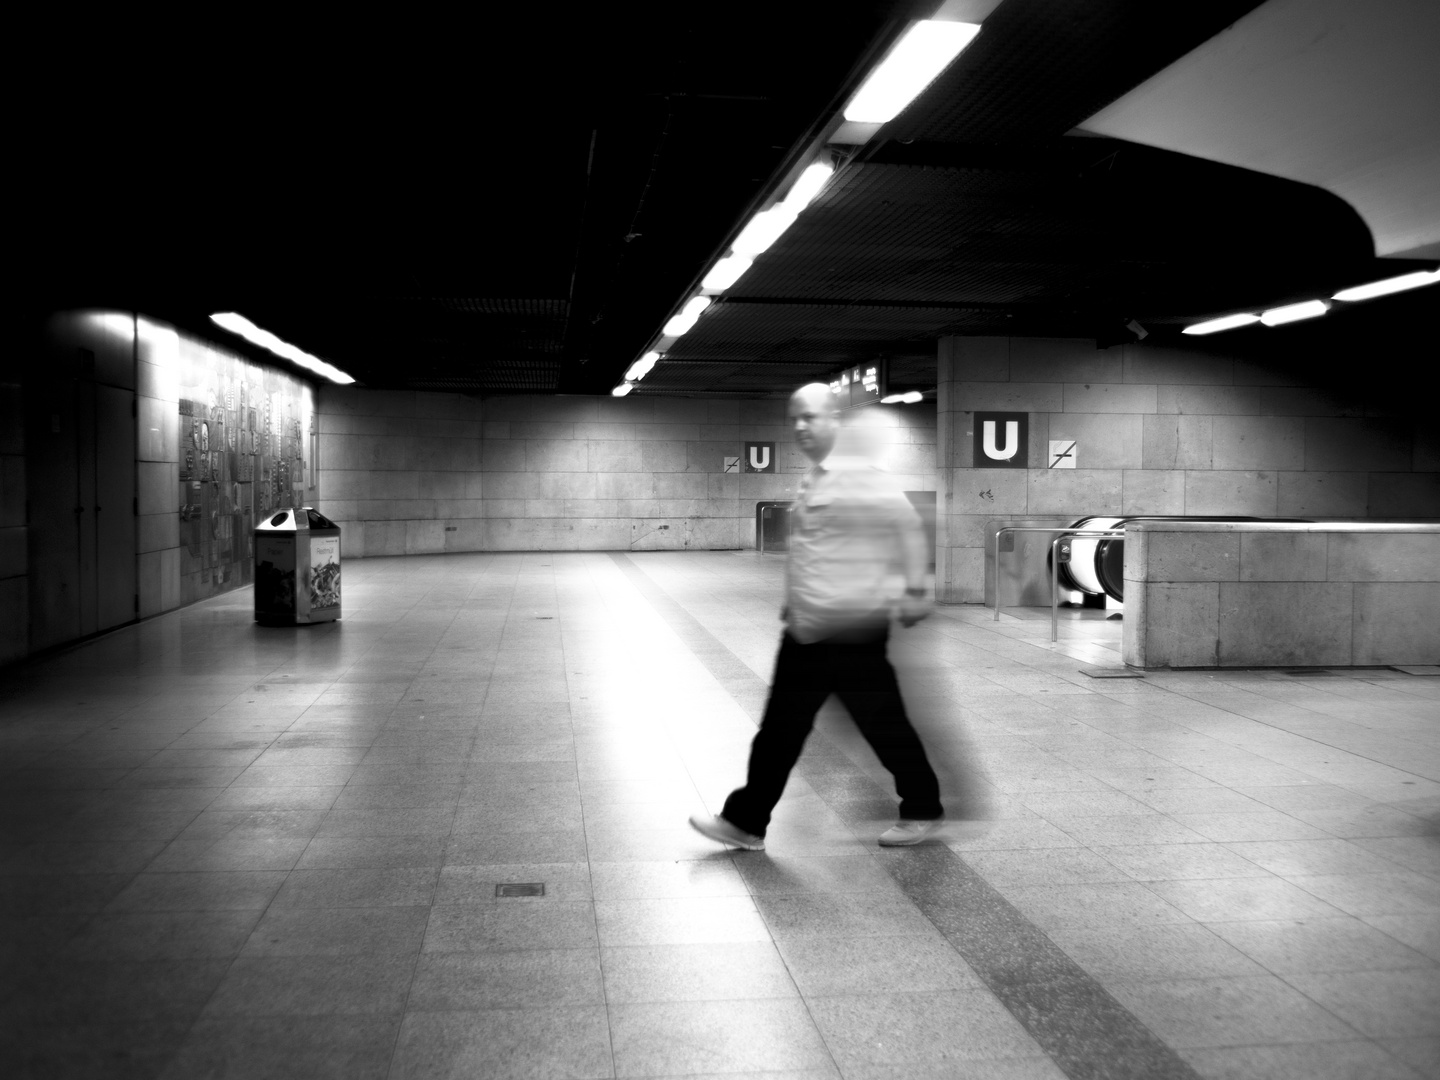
[245, 438]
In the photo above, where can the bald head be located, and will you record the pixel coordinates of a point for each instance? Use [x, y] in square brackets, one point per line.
[815, 414]
[818, 397]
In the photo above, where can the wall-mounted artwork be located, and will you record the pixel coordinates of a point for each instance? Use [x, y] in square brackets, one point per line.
[241, 458]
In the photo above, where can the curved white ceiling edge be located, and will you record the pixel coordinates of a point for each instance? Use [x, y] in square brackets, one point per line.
[1341, 94]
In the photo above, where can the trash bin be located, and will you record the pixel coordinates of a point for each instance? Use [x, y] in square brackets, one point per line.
[297, 568]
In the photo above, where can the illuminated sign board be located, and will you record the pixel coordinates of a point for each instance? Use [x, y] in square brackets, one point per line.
[862, 384]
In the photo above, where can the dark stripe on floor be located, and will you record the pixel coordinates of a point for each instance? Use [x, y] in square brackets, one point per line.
[1087, 1033]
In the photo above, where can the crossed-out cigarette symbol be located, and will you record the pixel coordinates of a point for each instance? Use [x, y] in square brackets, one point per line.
[1063, 455]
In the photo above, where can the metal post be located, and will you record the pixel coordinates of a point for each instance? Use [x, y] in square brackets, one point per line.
[997, 573]
[1054, 590]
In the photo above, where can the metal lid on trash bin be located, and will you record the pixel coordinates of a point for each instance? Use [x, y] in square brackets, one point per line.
[293, 519]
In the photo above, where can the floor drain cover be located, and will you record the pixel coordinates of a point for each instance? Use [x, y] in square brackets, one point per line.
[529, 888]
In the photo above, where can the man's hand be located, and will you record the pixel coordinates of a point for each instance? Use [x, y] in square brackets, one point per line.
[913, 609]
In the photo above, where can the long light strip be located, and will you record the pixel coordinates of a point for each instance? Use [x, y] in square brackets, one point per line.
[640, 368]
[1389, 285]
[925, 50]
[238, 324]
[803, 193]
[1227, 322]
[1308, 309]
[726, 272]
[763, 230]
[689, 315]
[921, 54]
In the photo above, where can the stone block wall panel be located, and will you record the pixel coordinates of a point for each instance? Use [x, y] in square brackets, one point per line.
[1267, 594]
[437, 472]
[1395, 623]
[1166, 431]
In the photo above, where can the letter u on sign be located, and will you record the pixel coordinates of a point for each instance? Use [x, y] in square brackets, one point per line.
[1012, 440]
[760, 457]
[1002, 440]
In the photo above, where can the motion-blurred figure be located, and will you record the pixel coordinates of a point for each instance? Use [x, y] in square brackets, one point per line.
[851, 527]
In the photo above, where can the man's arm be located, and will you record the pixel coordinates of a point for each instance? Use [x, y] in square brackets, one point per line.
[914, 559]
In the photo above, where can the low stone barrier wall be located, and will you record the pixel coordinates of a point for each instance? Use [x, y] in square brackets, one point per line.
[1271, 594]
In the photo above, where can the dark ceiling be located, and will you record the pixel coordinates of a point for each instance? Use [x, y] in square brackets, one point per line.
[506, 202]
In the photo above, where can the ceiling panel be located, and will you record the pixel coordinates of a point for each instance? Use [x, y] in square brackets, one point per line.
[511, 201]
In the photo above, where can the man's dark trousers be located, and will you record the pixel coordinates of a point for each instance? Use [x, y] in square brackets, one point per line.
[860, 675]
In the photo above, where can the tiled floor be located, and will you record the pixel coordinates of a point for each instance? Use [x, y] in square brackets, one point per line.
[273, 852]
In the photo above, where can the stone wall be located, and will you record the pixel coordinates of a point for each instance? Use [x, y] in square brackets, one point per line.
[1281, 595]
[412, 473]
[1162, 431]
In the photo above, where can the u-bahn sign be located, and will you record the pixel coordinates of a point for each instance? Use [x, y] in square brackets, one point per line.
[759, 457]
[1002, 440]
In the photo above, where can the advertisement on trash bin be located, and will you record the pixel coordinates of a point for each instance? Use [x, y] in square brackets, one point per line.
[324, 572]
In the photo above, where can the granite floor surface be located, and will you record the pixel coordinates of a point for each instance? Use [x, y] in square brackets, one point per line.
[229, 850]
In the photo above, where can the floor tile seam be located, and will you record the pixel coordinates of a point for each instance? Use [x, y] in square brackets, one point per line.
[1356, 1034]
[594, 920]
[804, 1001]
[1307, 738]
[1229, 845]
[1428, 964]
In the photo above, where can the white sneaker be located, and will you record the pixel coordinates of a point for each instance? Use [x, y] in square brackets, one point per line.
[904, 832]
[717, 828]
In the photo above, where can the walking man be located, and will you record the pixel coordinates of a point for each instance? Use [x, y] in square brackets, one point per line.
[851, 527]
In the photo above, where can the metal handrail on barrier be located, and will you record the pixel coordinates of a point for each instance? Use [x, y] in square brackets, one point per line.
[1054, 563]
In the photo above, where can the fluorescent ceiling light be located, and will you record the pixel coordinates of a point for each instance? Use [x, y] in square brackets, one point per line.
[910, 397]
[623, 389]
[767, 226]
[640, 368]
[809, 184]
[726, 272]
[1389, 285]
[925, 50]
[238, 324]
[688, 316]
[1309, 309]
[763, 230]
[1227, 322]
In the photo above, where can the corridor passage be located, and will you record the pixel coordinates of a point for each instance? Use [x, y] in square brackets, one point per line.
[242, 851]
